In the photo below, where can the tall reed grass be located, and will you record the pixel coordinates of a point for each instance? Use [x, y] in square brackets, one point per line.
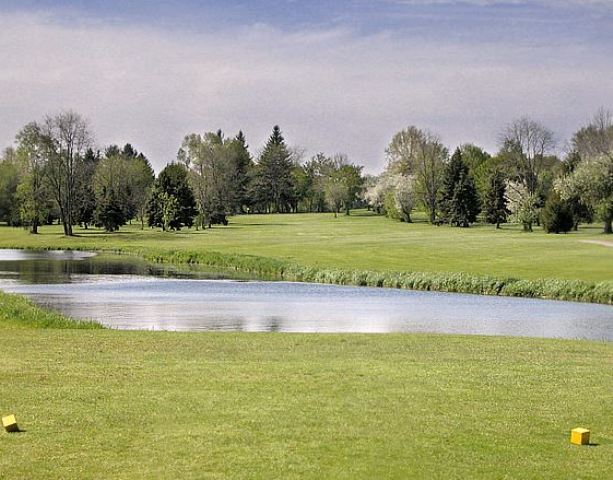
[547, 288]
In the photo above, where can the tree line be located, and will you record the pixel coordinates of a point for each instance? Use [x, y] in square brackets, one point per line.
[54, 173]
[524, 182]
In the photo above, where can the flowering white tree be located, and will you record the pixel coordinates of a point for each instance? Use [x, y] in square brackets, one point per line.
[393, 194]
[403, 191]
[523, 205]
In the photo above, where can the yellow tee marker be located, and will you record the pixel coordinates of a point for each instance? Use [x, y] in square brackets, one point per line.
[10, 423]
[580, 436]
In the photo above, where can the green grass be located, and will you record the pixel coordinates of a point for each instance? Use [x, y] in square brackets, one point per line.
[17, 312]
[111, 404]
[100, 403]
[371, 250]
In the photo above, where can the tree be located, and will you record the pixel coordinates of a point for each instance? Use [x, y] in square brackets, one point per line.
[557, 217]
[335, 192]
[316, 171]
[525, 144]
[172, 182]
[243, 164]
[273, 186]
[86, 197]
[480, 165]
[141, 176]
[403, 194]
[213, 164]
[587, 181]
[595, 139]
[592, 182]
[352, 181]
[523, 206]
[495, 207]
[465, 202]
[111, 186]
[9, 182]
[453, 171]
[420, 153]
[169, 210]
[342, 184]
[375, 191]
[66, 137]
[32, 192]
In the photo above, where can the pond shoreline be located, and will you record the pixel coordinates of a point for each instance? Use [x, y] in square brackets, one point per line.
[265, 268]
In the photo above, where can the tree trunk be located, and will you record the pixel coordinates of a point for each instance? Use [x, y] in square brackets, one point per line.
[34, 229]
[608, 225]
[432, 216]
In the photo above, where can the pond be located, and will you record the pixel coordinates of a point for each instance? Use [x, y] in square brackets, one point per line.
[128, 293]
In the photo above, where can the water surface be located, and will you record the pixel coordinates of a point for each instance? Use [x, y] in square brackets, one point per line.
[128, 293]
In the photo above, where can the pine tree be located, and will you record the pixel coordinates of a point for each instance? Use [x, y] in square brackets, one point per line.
[451, 176]
[273, 183]
[496, 210]
[557, 216]
[243, 167]
[465, 202]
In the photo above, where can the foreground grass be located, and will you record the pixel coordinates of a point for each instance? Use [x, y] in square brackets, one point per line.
[111, 404]
[17, 312]
[364, 249]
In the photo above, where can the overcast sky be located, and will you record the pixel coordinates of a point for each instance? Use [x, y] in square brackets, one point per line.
[337, 76]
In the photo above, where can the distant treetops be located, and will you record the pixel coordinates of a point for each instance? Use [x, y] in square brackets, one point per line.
[55, 173]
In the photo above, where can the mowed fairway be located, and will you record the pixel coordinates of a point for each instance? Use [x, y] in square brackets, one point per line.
[110, 404]
[362, 241]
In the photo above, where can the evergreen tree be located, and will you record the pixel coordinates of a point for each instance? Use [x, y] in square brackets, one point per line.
[465, 202]
[110, 213]
[496, 210]
[129, 151]
[243, 166]
[273, 185]
[111, 184]
[557, 215]
[172, 181]
[451, 177]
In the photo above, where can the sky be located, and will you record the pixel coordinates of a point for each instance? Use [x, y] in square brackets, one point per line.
[337, 76]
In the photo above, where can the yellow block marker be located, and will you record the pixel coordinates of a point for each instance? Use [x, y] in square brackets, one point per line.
[580, 436]
[10, 423]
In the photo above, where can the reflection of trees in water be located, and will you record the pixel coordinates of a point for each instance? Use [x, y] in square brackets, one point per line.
[60, 271]
[53, 270]
[273, 324]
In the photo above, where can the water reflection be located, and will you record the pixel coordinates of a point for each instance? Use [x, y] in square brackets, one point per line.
[127, 293]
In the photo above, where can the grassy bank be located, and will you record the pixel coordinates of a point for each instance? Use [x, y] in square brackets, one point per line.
[364, 249]
[111, 404]
[17, 312]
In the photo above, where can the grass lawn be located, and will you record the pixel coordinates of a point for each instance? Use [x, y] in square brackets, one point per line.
[113, 404]
[362, 241]
[98, 403]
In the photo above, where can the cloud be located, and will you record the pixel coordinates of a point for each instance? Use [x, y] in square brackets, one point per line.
[330, 89]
